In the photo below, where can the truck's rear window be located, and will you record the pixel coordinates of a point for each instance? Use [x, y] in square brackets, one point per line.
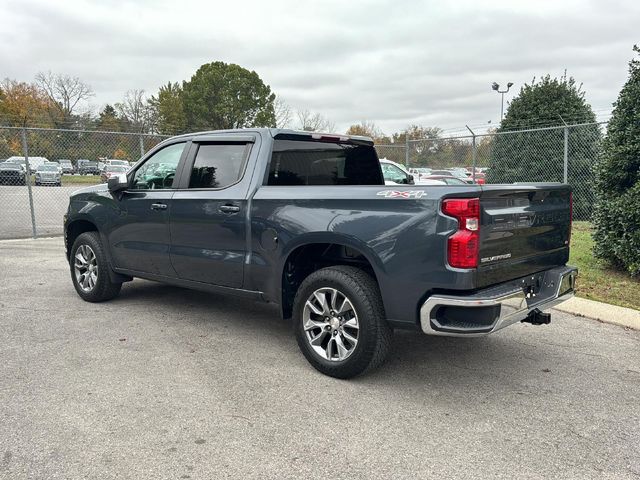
[296, 162]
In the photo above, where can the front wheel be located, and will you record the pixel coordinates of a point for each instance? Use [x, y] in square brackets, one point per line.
[340, 323]
[90, 269]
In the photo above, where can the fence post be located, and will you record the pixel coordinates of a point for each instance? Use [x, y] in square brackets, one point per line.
[141, 146]
[406, 150]
[566, 154]
[473, 153]
[25, 148]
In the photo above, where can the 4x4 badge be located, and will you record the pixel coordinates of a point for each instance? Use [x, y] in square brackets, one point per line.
[402, 194]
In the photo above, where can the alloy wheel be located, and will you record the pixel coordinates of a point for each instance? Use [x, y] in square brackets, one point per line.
[330, 324]
[85, 267]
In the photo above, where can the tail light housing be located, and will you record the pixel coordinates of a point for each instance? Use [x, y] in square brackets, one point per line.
[463, 246]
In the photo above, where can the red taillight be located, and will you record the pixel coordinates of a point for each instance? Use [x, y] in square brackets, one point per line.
[463, 246]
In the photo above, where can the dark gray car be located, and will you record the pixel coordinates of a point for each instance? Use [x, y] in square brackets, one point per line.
[12, 174]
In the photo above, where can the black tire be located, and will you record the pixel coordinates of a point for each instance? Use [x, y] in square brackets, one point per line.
[104, 289]
[374, 333]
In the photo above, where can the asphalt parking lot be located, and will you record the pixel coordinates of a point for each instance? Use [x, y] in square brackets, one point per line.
[49, 204]
[169, 383]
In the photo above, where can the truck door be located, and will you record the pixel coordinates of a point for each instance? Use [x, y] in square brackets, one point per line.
[208, 218]
[139, 237]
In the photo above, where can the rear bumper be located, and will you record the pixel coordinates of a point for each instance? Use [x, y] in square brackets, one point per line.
[496, 307]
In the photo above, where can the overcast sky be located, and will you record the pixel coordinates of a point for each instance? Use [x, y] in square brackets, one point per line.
[392, 62]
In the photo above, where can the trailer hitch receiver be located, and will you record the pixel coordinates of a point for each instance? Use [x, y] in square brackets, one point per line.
[536, 317]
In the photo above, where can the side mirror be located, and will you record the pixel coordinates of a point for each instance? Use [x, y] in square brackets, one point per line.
[410, 180]
[118, 183]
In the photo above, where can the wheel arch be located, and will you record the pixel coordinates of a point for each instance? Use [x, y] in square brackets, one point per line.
[81, 225]
[313, 252]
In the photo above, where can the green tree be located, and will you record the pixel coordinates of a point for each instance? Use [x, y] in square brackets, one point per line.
[538, 156]
[169, 109]
[108, 120]
[221, 96]
[416, 132]
[617, 213]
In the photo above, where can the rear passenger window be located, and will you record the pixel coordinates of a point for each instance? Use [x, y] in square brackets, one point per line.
[218, 165]
[296, 162]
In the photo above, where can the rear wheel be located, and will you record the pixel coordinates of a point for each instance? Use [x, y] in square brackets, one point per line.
[340, 323]
[89, 269]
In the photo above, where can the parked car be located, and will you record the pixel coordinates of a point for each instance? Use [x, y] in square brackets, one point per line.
[447, 179]
[395, 174]
[87, 167]
[12, 174]
[122, 163]
[304, 220]
[57, 165]
[462, 174]
[420, 172]
[111, 170]
[67, 166]
[48, 174]
[34, 162]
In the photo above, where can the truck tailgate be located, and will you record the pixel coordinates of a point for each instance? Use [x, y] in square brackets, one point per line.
[524, 229]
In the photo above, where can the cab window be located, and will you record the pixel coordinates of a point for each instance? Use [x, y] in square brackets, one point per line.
[159, 170]
[218, 165]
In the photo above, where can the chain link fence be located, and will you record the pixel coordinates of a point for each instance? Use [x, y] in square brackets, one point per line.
[40, 168]
[564, 154]
[34, 197]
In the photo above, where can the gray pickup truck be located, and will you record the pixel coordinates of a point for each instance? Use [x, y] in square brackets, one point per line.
[304, 220]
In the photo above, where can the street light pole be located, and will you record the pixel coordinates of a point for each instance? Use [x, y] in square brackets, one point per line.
[495, 86]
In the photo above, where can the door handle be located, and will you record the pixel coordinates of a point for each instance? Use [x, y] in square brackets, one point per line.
[229, 208]
[158, 206]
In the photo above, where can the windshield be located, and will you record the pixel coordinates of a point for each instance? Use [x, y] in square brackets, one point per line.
[116, 168]
[10, 166]
[118, 162]
[47, 168]
[64, 162]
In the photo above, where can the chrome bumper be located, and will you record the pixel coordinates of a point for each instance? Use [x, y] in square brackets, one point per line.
[501, 306]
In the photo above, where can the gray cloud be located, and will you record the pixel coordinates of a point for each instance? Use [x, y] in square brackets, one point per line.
[392, 62]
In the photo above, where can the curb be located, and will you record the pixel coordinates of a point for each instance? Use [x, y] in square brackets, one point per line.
[602, 312]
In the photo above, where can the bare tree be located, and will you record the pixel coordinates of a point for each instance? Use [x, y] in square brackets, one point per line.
[368, 129]
[314, 122]
[65, 92]
[283, 113]
[136, 109]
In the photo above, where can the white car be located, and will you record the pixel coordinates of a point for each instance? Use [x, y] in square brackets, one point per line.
[420, 172]
[396, 174]
[34, 162]
[109, 162]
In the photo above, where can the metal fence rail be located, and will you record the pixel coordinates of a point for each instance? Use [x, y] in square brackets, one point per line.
[30, 207]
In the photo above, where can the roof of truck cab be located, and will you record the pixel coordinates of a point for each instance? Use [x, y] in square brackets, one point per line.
[278, 131]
